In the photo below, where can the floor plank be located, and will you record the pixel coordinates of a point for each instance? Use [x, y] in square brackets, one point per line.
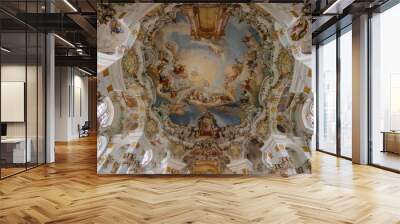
[70, 191]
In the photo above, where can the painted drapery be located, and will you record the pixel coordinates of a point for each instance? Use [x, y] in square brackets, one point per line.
[204, 89]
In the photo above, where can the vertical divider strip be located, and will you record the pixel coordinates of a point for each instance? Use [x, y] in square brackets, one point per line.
[317, 97]
[26, 86]
[338, 98]
[37, 89]
[0, 93]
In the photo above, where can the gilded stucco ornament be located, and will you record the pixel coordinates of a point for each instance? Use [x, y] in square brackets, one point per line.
[201, 94]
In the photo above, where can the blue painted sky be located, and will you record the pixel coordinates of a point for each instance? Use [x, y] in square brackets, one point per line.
[233, 47]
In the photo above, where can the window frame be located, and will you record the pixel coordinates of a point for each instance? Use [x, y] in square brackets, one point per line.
[381, 9]
[334, 37]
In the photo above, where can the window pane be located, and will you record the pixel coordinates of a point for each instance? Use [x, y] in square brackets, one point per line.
[346, 94]
[14, 153]
[41, 98]
[327, 97]
[385, 84]
[23, 84]
[31, 98]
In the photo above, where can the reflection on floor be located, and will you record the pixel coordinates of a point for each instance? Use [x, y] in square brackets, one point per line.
[387, 159]
[70, 191]
[346, 152]
[10, 169]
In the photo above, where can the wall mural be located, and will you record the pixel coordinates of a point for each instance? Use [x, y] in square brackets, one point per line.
[204, 89]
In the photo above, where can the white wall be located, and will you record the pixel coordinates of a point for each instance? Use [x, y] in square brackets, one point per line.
[16, 73]
[61, 103]
[33, 127]
[69, 82]
[12, 73]
[79, 117]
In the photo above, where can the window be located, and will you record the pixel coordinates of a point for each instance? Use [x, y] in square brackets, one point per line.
[385, 89]
[394, 102]
[327, 97]
[102, 113]
[346, 93]
[105, 112]
[334, 106]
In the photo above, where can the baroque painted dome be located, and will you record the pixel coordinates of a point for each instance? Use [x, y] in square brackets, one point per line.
[215, 88]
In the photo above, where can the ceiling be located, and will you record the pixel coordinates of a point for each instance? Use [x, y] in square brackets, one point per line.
[72, 20]
[331, 15]
[79, 27]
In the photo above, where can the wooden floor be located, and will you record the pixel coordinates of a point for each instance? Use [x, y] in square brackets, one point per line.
[387, 159]
[70, 191]
[5, 172]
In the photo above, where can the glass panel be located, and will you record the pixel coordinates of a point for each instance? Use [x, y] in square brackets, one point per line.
[32, 87]
[385, 114]
[346, 94]
[23, 88]
[31, 98]
[13, 87]
[327, 97]
[394, 101]
[41, 99]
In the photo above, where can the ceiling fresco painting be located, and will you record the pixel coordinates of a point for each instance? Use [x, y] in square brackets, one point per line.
[204, 89]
